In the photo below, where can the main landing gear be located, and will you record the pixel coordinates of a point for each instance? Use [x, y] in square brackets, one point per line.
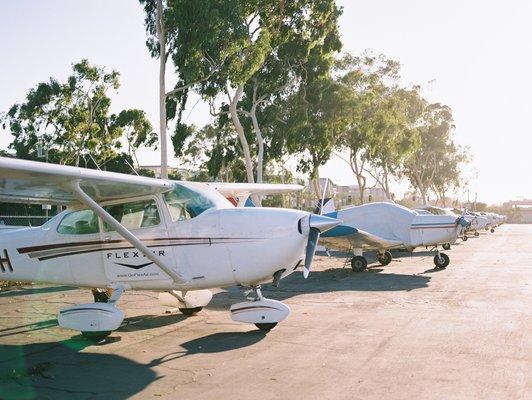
[95, 320]
[385, 258]
[264, 313]
[446, 246]
[492, 230]
[187, 302]
[441, 260]
[360, 264]
[477, 234]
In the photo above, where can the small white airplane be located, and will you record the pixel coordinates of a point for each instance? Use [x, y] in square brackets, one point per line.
[123, 232]
[385, 226]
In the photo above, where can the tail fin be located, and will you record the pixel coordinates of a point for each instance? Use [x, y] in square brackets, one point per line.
[328, 206]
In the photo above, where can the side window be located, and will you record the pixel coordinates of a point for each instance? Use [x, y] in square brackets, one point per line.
[79, 223]
[184, 203]
[135, 215]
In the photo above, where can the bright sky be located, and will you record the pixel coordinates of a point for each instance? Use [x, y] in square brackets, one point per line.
[474, 56]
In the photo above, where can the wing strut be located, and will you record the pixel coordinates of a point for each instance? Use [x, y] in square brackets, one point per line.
[117, 226]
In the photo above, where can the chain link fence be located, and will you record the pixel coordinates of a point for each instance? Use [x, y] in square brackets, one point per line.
[14, 221]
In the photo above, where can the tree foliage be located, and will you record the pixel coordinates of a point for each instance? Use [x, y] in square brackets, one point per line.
[71, 121]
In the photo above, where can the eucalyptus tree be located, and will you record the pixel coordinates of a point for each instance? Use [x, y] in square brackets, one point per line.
[230, 51]
[396, 121]
[71, 122]
[437, 155]
[370, 82]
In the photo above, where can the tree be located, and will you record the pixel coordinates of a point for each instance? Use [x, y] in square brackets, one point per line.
[373, 134]
[161, 39]
[71, 121]
[136, 129]
[435, 163]
[238, 51]
[396, 121]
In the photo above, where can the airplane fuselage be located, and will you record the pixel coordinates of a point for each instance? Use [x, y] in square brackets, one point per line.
[219, 247]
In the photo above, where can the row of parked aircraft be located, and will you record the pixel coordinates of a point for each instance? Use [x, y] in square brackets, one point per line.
[122, 232]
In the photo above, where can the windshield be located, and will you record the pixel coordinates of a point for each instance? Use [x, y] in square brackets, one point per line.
[190, 200]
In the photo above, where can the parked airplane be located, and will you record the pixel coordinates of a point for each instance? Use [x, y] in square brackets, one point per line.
[125, 232]
[385, 226]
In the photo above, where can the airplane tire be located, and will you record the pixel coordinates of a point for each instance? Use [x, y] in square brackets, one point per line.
[465, 238]
[446, 246]
[492, 230]
[385, 258]
[477, 234]
[96, 337]
[266, 326]
[359, 263]
[190, 311]
[442, 261]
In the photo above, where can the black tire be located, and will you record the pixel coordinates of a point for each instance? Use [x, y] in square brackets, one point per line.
[446, 246]
[101, 295]
[492, 230]
[465, 238]
[385, 258]
[442, 261]
[266, 326]
[359, 263]
[96, 337]
[191, 311]
[477, 234]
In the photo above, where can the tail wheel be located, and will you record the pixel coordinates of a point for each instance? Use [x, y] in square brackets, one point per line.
[102, 295]
[441, 260]
[385, 258]
[266, 326]
[359, 263]
[191, 311]
[446, 246]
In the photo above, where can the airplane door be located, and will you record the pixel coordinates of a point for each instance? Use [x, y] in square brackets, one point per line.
[122, 262]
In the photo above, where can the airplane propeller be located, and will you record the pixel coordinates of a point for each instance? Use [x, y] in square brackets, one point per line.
[317, 225]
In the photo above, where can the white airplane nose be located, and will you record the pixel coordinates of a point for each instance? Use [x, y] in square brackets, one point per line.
[323, 223]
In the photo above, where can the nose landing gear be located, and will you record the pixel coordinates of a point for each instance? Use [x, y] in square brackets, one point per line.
[264, 313]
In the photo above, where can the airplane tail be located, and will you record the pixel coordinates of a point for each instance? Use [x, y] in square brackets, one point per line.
[328, 206]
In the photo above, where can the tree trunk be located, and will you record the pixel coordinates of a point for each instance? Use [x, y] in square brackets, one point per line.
[260, 143]
[240, 131]
[361, 179]
[163, 139]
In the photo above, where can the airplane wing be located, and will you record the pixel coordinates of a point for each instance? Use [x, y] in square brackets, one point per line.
[243, 190]
[23, 181]
[346, 238]
[246, 189]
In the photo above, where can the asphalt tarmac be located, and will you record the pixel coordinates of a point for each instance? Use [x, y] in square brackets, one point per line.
[405, 331]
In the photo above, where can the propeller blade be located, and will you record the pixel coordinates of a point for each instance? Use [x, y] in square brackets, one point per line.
[317, 224]
[312, 244]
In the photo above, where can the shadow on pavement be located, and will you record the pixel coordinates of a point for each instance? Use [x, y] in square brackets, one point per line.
[143, 322]
[24, 329]
[61, 371]
[331, 280]
[24, 291]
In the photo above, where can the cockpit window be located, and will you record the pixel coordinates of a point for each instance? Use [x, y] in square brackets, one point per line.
[81, 222]
[134, 215]
[185, 203]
